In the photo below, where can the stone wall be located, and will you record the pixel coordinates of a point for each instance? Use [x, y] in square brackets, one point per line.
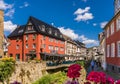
[27, 73]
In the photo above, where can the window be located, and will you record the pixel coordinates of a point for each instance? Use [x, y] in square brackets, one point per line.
[43, 45]
[50, 31]
[51, 39]
[17, 39]
[56, 48]
[20, 31]
[56, 41]
[108, 50]
[118, 24]
[34, 45]
[30, 27]
[44, 37]
[34, 36]
[55, 33]
[11, 55]
[118, 48]
[112, 50]
[50, 47]
[26, 37]
[61, 49]
[112, 28]
[17, 46]
[61, 42]
[43, 27]
[61, 36]
[26, 45]
[108, 32]
[17, 57]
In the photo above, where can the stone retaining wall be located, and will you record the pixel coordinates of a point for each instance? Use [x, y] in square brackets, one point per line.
[27, 73]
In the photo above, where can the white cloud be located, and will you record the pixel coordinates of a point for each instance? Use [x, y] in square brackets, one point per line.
[10, 13]
[83, 14]
[69, 32]
[81, 11]
[25, 4]
[87, 41]
[4, 5]
[102, 24]
[94, 24]
[8, 8]
[9, 26]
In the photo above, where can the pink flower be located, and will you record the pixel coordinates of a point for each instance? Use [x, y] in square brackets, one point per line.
[110, 80]
[118, 82]
[97, 77]
[74, 71]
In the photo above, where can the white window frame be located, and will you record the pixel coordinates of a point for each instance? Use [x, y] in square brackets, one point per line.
[118, 24]
[108, 50]
[26, 45]
[17, 46]
[34, 45]
[118, 49]
[112, 28]
[113, 50]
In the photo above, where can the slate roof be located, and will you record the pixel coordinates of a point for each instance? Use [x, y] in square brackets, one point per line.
[80, 44]
[18, 31]
[37, 23]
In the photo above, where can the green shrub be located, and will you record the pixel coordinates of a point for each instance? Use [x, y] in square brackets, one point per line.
[57, 78]
[81, 62]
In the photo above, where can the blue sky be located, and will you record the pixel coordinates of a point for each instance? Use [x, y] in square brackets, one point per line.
[79, 19]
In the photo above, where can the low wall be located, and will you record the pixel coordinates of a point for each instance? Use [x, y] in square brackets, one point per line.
[27, 73]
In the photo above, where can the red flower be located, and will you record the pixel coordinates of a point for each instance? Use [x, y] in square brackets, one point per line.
[74, 71]
[97, 77]
[118, 82]
[110, 80]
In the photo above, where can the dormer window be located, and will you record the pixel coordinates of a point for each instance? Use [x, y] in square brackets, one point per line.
[60, 36]
[55, 33]
[43, 27]
[50, 31]
[20, 31]
[30, 27]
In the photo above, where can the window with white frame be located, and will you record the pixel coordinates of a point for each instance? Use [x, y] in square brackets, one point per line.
[26, 45]
[118, 23]
[108, 32]
[50, 47]
[112, 28]
[56, 48]
[108, 50]
[51, 39]
[113, 50]
[118, 48]
[61, 49]
[17, 46]
[26, 37]
[34, 45]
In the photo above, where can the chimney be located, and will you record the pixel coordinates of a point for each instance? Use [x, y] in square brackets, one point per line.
[1, 31]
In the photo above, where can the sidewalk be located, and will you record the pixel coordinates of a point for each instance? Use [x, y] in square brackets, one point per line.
[116, 76]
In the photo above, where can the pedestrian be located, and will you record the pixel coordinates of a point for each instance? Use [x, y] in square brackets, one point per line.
[92, 65]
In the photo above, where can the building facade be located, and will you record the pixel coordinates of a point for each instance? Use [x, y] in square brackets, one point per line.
[112, 30]
[36, 40]
[102, 49]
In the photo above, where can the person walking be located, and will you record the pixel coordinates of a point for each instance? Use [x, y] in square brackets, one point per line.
[92, 65]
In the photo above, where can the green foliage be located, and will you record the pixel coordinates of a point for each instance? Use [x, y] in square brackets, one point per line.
[57, 78]
[7, 67]
[81, 62]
